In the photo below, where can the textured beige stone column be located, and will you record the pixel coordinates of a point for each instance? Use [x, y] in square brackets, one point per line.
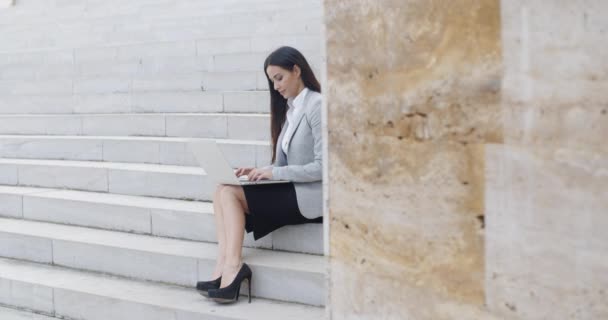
[547, 185]
[413, 97]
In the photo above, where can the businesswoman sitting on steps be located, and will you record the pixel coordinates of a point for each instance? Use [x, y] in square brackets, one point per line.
[295, 126]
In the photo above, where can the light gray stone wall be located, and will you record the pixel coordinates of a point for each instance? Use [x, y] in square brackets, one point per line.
[90, 56]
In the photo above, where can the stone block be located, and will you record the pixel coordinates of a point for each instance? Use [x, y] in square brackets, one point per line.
[177, 102]
[103, 103]
[250, 102]
[40, 124]
[26, 295]
[200, 126]
[223, 46]
[306, 238]
[181, 224]
[189, 82]
[34, 87]
[263, 155]
[108, 68]
[68, 177]
[125, 262]
[131, 151]
[32, 104]
[82, 55]
[238, 62]
[159, 184]
[11, 205]
[26, 247]
[49, 148]
[252, 127]
[9, 174]
[170, 49]
[85, 213]
[102, 85]
[169, 65]
[176, 153]
[221, 81]
[297, 286]
[123, 125]
[239, 155]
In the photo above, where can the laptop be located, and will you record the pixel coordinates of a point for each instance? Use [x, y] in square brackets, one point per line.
[210, 157]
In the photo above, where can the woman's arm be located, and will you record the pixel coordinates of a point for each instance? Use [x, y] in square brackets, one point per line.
[312, 171]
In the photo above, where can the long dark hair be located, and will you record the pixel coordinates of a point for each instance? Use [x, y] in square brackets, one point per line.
[286, 58]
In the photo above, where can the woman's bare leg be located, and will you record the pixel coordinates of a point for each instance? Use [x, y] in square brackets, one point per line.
[234, 208]
[220, 232]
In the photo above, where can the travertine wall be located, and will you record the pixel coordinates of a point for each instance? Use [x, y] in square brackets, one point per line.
[413, 96]
[443, 115]
[547, 185]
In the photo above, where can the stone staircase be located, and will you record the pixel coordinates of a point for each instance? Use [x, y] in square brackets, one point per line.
[104, 214]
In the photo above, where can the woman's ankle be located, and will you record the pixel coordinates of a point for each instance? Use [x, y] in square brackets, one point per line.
[219, 269]
[233, 265]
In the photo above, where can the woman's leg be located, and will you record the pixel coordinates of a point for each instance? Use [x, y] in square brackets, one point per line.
[220, 232]
[234, 208]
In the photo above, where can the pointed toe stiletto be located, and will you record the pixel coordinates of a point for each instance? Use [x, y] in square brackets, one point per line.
[203, 287]
[231, 293]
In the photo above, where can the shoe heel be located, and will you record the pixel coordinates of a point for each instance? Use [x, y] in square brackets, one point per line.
[249, 287]
[238, 292]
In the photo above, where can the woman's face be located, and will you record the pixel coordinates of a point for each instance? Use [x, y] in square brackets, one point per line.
[287, 83]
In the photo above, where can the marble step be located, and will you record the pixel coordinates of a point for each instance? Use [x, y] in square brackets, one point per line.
[152, 150]
[74, 294]
[281, 276]
[189, 183]
[199, 125]
[133, 102]
[13, 314]
[188, 220]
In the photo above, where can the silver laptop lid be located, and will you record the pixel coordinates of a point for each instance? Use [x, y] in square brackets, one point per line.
[211, 159]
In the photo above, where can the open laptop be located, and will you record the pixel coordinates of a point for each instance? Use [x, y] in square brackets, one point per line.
[211, 158]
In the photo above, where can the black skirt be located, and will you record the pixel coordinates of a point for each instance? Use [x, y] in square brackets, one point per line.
[272, 206]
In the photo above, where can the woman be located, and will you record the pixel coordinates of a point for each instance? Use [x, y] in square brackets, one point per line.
[295, 126]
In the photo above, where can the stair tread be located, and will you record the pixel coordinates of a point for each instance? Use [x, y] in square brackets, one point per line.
[111, 199]
[175, 247]
[148, 293]
[129, 138]
[161, 168]
[142, 114]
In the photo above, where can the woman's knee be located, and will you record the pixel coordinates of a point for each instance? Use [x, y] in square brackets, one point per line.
[218, 192]
[233, 194]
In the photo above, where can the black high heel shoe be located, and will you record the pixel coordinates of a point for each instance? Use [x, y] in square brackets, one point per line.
[232, 291]
[203, 287]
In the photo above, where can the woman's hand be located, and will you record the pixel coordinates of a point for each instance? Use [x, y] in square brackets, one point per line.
[243, 171]
[260, 174]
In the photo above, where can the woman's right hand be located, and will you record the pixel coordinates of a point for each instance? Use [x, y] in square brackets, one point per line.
[243, 171]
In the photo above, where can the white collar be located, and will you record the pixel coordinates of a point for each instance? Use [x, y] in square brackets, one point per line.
[298, 101]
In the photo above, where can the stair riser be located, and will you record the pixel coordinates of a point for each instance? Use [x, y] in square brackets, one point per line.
[138, 102]
[117, 181]
[128, 151]
[17, 314]
[273, 283]
[26, 295]
[159, 125]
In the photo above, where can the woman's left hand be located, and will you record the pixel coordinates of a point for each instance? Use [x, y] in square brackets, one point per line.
[260, 174]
